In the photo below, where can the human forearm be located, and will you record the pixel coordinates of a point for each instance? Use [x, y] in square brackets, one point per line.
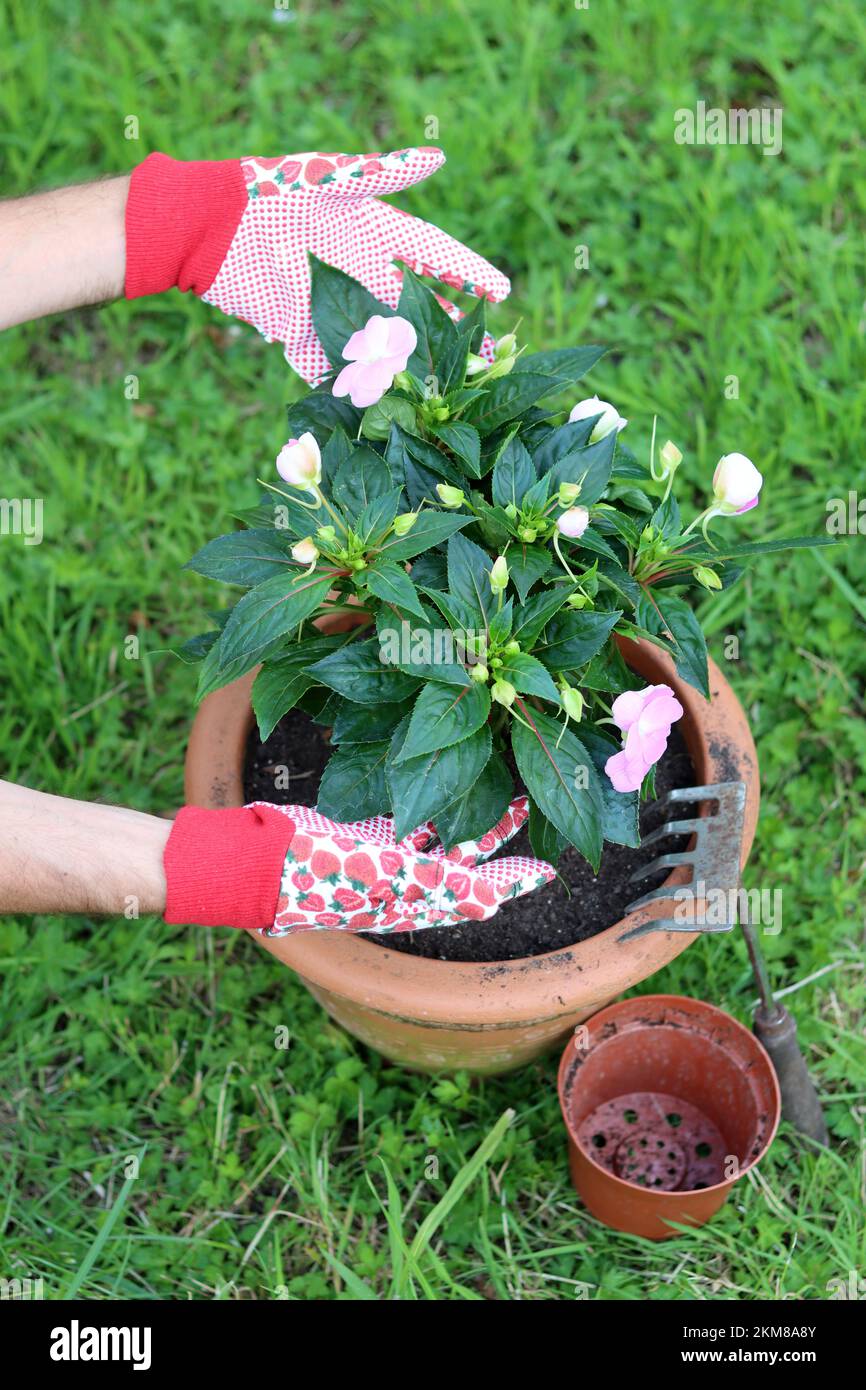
[62, 250]
[58, 855]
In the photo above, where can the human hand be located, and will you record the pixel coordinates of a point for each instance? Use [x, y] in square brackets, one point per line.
[238, 233]
[284, 869]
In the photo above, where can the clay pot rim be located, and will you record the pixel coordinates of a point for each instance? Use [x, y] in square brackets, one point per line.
[482, 994]
[687, 1004]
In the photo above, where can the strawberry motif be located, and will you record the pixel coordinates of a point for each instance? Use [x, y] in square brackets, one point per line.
[300, 847]
[473, 910]
[391, 862]
[348, 900]
[329, 919]
[313, 902]
[413, 893]
[302, 880]
[485, 893]
[459, 885]
[268, 190]
[324, 864]
[319, 171]
[360, 868]
[429, 872]
[381, 891]
[343, 842]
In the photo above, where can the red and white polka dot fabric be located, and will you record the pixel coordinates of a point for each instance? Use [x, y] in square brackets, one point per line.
[357, 877]
[328, 204]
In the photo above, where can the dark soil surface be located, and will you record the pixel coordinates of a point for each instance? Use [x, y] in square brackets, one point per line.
[542, 921]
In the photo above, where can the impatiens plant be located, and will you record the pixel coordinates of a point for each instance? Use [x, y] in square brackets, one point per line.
[481, 558]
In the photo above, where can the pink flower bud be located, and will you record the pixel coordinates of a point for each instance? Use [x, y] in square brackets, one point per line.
[299, 462]
[573, 523]
[736, 483]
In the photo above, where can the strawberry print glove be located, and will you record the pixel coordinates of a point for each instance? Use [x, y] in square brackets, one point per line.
[237, 233]
[284, 869]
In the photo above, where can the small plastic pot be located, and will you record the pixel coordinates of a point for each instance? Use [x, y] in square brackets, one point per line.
[667, 1102]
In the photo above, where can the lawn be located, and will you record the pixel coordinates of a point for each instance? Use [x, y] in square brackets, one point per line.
[268, 1173]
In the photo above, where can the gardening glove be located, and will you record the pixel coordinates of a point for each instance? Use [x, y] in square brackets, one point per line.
[283, 869]
[236, 232]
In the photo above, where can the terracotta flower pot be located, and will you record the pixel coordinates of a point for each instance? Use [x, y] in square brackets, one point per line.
[435, 1015]
[667, 1101]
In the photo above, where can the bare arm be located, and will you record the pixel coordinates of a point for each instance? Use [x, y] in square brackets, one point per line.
[58, 855]
[62, 250]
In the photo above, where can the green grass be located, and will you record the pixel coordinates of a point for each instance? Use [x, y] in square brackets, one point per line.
[298, 1173]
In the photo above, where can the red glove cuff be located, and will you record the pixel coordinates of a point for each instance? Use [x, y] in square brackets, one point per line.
[181, 217]
[223, 868]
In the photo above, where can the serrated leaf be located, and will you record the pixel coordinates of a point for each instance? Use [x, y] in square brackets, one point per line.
[422, 787]
[469, 575]
[465, 442]
[526, 565]
[361, 478]
[431, 528]
[444, 714]
[590, 467]
[620, 815]
[269, 611]
[545, 839]
[319, 413]
[561, 443]
[378, 514]
[366, 723]
[423, 648]
[513, 473]
[536, 612]
[529, 676]
[390, 582]
[560, 776]
[358, 673]
[244, 557]
[572, 638]
[353, 784]
[567, 365]
[436, 333]
[506, 398]
[690, 647]
[479, 809]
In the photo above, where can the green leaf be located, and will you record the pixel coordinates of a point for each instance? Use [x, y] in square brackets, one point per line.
[506, 398]
[274, 693]
[736, 552]
[284, 679]
[378, 418]
[319, 413]
[545, 839]
[690, 654]
[567, 365]
[528, 675]
[470, 334]
[464, 441]
[366, 723]
[436, 333]
[590, 467]
[421, 787]
[533, 616]
[513, 473]
[620, 814]
[431, 528]
[526, 564]
[422, 648]
[561, 780]
[358, 673]
[561, 443]
[592, 541]
[444, 714]
[244, 557]
[353, 784]
[573, 638]
[378, 514]
[390, 582]
[430, 570]
[459, 615]
[501, 622]
[469, 574]
[270, 610]
[340, 306]
[283, 515]
[361, 478]
[479, 809]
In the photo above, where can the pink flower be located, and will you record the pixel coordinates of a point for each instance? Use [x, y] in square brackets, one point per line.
[376, 353]
[645, 717]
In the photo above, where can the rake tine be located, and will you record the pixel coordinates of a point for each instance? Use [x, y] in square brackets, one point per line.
[664, 861]
[673, 827]
[711, 792]
[657, 924]
[655, 895]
